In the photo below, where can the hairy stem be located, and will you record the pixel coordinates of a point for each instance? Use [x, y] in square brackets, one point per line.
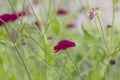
[18, 54]
[113, 20]
[75, 65]
[104, 39]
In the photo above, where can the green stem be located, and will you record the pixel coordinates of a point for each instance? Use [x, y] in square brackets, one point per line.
[113, 20]
[88, 4]
[85, 13]
[39, 32]
[44, 43]
[108, 52]
[53, 67]
[75, 65]
[19, 54]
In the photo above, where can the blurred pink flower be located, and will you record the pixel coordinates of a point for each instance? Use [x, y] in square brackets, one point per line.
[93, 12]
[36, 23]
[70, 25]
[64, 44]
[61, 12]
[22, 13]
[35, 2]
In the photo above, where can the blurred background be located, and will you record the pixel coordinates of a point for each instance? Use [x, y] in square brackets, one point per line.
[43, 23]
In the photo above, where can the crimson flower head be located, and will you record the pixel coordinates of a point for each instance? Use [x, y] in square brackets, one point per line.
[93, 12]
[1, 23]
[13, 17]
[64, 44]
[61, 12]
[7, 17]
[4, 18]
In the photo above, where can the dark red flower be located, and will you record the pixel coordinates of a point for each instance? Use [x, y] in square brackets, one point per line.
[36, 23]
[7, 18]
[1, 23]
[70, 25]
[13, 17]
[61, 12]
[112, 61]
[64, 44]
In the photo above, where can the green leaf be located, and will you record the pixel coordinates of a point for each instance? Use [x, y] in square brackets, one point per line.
[25, 36]
[93, 75]
[56, 26]
[1, 60]
[116, 51]
[88, 34]
[115, 1]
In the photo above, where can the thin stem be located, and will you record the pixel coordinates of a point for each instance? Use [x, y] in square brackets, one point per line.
[88, 4]
[49, 65]
[39, 32]
[11, 5]
[75, 65]
[35, 41]
[84, 12]
[106, 69]
[48, 16]
[103, 35]
[43, 37]
[113, 20]
[52, 58]
[18, 54]
[44, 44]
[53, 67]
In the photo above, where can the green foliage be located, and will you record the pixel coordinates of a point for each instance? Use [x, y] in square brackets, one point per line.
[115, 1]
[56, 26]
